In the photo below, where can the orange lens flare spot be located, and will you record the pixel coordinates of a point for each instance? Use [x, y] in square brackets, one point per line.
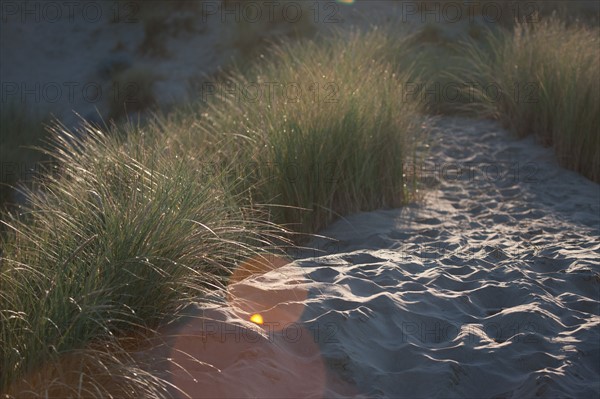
[257, 318]
[256, 266]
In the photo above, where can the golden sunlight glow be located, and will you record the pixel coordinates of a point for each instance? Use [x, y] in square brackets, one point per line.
[260, 264]
[264, 302]
[257, 318]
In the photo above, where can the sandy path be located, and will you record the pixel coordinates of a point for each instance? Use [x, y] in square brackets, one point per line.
[490, 288]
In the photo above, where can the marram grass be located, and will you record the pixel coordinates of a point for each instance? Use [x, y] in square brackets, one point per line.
[543, 79]
[123, 237]
[134, 226]
[320, 128]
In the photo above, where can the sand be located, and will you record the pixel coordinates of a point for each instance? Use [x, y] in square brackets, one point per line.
[489, 288]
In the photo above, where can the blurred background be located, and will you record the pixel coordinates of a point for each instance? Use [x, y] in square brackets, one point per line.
[112, 61]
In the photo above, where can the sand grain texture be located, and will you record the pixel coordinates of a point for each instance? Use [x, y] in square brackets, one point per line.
[488, 289]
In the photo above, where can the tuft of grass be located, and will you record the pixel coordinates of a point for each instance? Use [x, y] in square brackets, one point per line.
[542, 79]
[137, 223]
[443, 77]
[320, 125]
[117, 241]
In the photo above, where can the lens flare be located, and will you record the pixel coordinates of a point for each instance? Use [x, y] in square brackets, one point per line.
[260, 264]
[257, 318]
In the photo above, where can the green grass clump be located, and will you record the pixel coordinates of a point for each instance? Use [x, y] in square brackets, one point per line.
[320, 125]
[438, 83]
[117, 241]
[543, 79]
[136, 224]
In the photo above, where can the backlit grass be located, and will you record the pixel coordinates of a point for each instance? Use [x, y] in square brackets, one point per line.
[320, 128]
[136, 223]
[117, 241]
[542, 79]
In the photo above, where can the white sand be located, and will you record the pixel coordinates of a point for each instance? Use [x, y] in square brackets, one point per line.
[489, 289]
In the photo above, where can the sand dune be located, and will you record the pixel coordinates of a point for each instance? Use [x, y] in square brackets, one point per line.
[488, 289]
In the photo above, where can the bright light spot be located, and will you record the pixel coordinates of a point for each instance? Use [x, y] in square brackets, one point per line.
[345, 1]
[257, 318]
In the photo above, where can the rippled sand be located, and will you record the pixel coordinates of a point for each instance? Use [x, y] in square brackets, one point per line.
[488, 289]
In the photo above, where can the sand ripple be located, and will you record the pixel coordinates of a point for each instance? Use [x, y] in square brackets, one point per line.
[489, 289]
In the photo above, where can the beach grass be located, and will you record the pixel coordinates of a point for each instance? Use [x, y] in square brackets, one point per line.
[541, 79]
[117, 241]
[139, 221]
[321, 128]
[538, 75]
